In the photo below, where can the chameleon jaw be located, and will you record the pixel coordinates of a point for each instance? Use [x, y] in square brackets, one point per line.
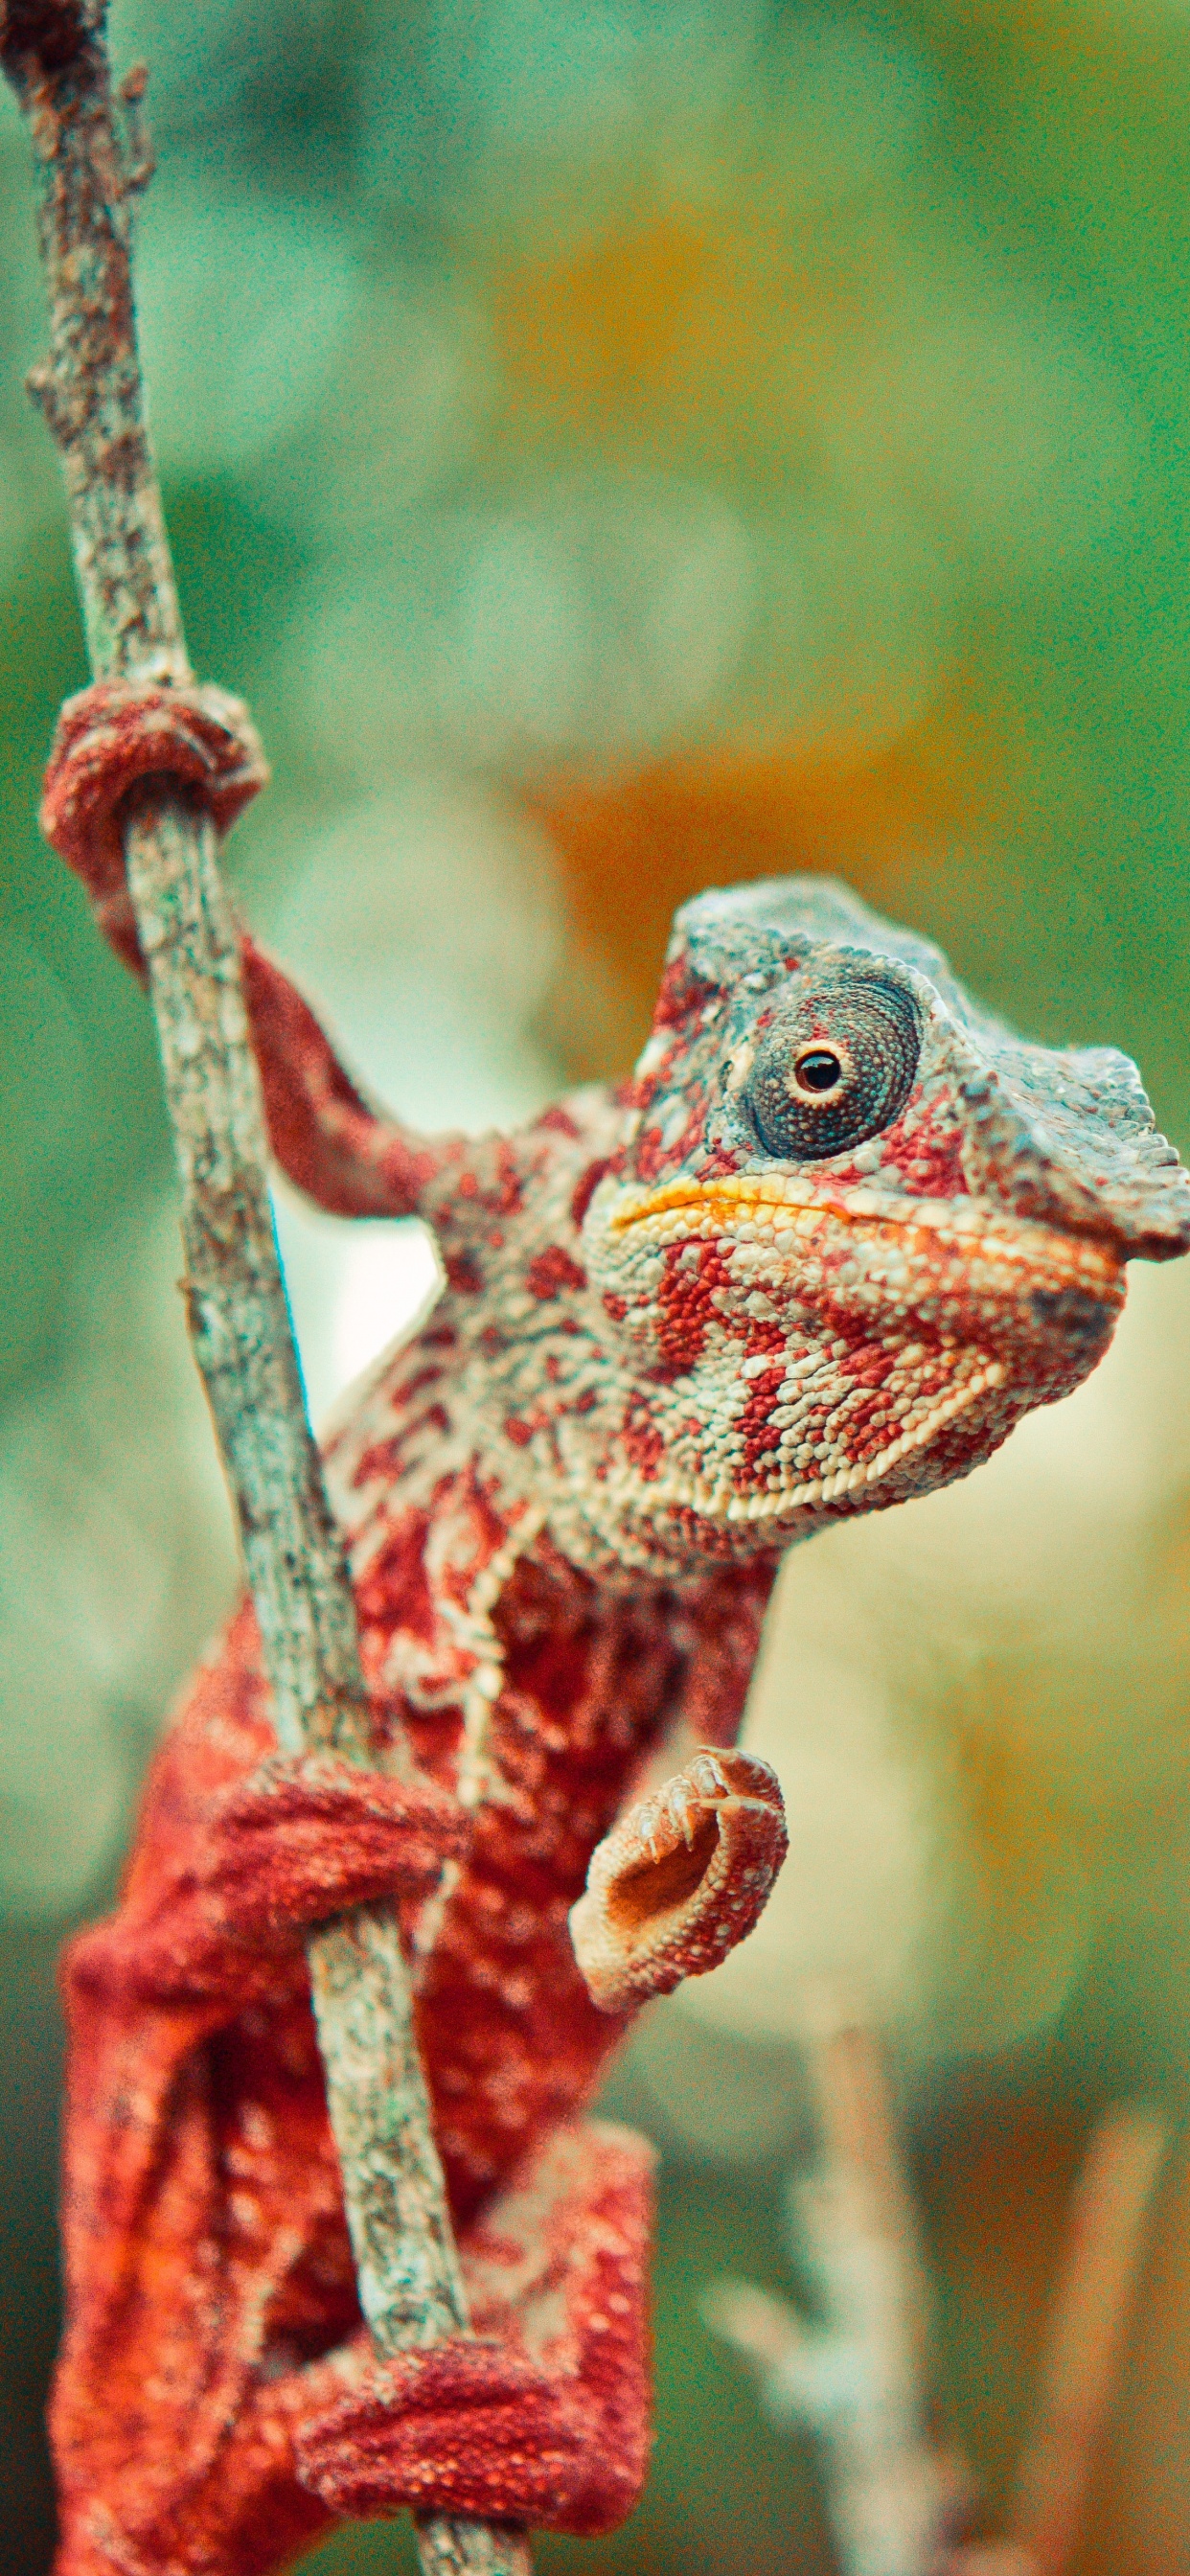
[724, 1502]
[860, 1479]
[1002, 1302]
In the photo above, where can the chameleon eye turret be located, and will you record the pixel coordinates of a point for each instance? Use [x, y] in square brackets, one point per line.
[834, 1066]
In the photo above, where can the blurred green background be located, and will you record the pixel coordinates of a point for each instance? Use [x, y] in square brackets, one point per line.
[617, 447]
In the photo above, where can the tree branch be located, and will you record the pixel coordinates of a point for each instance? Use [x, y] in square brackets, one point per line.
[89, 389]
[896, 2495]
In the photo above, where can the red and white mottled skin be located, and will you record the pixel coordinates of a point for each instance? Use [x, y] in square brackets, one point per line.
[661, 1355]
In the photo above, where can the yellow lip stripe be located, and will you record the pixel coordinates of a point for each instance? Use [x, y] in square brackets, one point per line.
[760, 1200]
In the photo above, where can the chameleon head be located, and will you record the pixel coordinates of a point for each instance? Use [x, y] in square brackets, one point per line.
[855, 1227]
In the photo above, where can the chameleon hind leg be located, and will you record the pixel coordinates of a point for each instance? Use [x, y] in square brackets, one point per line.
[541, 2416]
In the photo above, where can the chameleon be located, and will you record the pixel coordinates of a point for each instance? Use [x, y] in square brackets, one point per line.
[838, 1233]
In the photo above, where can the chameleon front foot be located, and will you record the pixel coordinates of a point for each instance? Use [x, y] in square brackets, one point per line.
[307, 1835]
[302, 1837]
[680, 1880]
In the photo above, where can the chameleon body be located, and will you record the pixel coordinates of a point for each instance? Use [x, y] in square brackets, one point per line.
[838, 1234]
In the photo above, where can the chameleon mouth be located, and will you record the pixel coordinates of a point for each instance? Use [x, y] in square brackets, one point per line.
[781, 1208]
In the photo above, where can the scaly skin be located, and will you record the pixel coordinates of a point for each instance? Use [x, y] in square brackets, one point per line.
[837, 1236]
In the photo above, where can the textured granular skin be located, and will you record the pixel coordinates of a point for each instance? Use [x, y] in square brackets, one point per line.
[839, 1233]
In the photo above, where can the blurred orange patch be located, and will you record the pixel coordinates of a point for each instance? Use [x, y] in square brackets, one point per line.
[588, 329]
[633, 847]
[705, 341]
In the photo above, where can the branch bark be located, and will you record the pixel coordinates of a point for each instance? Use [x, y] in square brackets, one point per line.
[895, 2493]
[89, 389]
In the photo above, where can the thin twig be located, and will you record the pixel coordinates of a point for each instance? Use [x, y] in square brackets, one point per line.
[1088, 2316]
[898, 2499]
[895, 2494]
[849, 2076]
[90, 391]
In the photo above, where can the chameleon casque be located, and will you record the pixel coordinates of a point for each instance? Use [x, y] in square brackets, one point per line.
[838, 1234]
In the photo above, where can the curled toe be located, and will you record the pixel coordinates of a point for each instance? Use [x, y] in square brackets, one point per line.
[680, 1880]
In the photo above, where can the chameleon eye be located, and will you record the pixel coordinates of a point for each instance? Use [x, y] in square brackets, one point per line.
[818, 1069]
[834, 1068]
